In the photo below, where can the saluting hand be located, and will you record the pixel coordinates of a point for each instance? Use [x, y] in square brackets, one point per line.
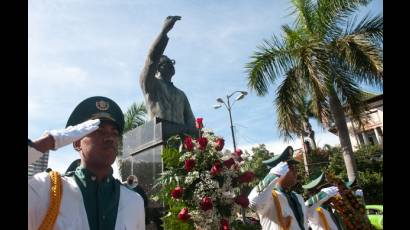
[280, 169]
[63, 137]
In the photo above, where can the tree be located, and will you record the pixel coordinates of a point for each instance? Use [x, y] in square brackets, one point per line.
[370, 166]
[304, 111]
[326, 55]
[135, 116]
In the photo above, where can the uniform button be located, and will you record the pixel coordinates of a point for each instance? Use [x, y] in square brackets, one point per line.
[93, 178]
[103, 217]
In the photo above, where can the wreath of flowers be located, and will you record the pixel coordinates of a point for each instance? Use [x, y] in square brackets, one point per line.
[201, 186]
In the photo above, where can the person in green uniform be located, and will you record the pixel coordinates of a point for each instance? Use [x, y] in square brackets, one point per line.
[90, 198]
[273, 199]
[323, 217]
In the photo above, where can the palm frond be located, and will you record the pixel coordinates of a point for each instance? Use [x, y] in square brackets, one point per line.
[331, 12]
[350, 94]
[287, 100]
[369, 27]
[292, 37]
[135, 116]
[271, 60]
[361, 57]
[305, 14]
[315, 60]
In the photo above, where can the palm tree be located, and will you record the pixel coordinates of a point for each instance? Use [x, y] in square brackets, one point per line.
[305, 111]
[135, 116]
[325, 55]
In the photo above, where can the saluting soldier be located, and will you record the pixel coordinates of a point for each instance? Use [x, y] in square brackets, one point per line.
[89, 197]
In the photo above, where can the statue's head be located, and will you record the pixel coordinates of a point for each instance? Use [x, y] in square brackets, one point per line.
[166, 67]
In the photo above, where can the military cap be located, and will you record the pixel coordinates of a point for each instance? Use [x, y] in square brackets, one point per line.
[286, 155]
[97, 107]
[320, 181]
[315, 183]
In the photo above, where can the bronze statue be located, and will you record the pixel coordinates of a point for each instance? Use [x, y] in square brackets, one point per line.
[162, 98]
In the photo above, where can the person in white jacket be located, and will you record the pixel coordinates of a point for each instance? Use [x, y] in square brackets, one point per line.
[277, 206]
[89, 197]
[323, 217]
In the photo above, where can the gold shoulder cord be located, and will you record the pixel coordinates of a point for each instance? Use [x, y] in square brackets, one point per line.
[323, 218]
[55, 201]
[284, 226]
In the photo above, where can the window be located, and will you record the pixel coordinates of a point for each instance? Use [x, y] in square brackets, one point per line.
[360, 137]
[371, 137]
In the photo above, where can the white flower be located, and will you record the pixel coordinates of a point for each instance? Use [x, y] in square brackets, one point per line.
[186, 156]
[191, 177]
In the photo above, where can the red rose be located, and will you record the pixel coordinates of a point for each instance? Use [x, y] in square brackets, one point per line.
[229, 163]
[177, 192]
[199, 124]
[238, 152]
[188, 143]
[216, 168]
[202, 141]
[183, 215]
[224, 225]
[206, 203]
[219, 144]
[247, 177]
[189, 164]
[242, 200]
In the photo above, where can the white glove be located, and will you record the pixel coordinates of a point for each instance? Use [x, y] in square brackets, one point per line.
[280, 169]
[331, 191]
[359, 192]
[63, 137]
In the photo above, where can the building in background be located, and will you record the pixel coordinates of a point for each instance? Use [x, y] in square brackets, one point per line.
[39, 166]
[372, 118]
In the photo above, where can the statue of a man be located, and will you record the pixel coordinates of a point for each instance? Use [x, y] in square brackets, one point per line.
[162, 98]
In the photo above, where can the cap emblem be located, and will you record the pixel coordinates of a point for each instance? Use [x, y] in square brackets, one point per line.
[102, 105]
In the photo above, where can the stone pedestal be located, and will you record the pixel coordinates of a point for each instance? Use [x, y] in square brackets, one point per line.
[142, 148]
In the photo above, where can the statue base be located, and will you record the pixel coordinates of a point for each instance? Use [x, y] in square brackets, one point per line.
[141, 153]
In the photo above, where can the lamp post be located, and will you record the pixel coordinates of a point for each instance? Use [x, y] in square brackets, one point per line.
[228, 106]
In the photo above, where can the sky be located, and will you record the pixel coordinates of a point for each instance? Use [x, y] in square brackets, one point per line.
[83, 48]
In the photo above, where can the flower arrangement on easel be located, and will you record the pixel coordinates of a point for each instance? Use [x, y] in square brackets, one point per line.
[201, 187]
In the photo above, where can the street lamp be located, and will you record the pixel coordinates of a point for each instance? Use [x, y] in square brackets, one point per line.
[228, 106]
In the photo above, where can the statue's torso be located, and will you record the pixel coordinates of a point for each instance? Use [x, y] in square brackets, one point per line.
[166, 102]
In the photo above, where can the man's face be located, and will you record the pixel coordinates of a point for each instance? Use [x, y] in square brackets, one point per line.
[291, 176]
[166, 68]
[99, 148]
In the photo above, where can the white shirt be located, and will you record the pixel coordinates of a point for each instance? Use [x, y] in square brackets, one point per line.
[316, 223]
[263, 203]
[72, 215]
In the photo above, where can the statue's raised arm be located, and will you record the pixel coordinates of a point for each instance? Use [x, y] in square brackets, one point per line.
[147, 77]
[162, 98]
